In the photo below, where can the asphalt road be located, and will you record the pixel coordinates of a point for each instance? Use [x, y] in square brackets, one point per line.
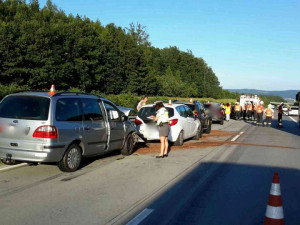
[227, 184]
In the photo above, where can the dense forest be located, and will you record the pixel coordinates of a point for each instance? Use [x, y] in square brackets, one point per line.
[44, 46]
[41, 46]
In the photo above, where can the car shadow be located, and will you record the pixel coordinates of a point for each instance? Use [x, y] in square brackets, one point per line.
[225, 193]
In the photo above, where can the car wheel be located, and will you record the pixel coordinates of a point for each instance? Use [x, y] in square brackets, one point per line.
[128, 145]
[222, 122]
[9, 162]
[198, 134]
[71, 160]
[208, 129]
[179, 141]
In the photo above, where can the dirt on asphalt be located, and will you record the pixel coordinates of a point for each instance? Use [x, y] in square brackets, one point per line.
[215, 138]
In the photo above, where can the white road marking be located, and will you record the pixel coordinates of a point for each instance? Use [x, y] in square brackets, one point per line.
[291, 118]
[237, 136]
[139, 218]
[12, 167]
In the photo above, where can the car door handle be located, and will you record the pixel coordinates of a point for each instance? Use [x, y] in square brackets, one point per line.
[87, 128]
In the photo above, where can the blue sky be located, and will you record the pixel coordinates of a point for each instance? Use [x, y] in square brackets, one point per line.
[248, 43]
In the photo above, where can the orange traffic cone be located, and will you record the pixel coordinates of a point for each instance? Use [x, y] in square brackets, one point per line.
[170, 102]
[191, 100]
[52, 90]
[274, 213]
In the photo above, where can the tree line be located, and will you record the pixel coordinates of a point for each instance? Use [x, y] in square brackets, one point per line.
[44, 46]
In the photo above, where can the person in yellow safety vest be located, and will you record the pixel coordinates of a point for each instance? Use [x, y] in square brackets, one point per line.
[259, 113]
[254, 114]
[237, 110]
[269, 112]
[227, 111]
[249, 111]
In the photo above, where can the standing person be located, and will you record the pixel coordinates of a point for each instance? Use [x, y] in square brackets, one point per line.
[259, 113]
[280, 112]
[249, 111]
[269, 115]
[162, 120]
[244, 111]
[142, 102]
[254, 112]
[227, 111]
[237, 110]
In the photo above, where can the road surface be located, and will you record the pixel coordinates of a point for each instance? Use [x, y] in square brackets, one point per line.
[225, 184]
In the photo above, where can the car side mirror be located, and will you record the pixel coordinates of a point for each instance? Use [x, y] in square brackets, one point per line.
[124, 118]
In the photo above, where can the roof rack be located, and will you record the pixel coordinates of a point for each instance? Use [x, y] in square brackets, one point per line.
[75, 93]
[28, 91]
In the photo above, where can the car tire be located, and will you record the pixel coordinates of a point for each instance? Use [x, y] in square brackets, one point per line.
[179, 141]
[208, 129]
[71, 160]
[9, 162]
[128, 145]
[198, 134]
[222, 122]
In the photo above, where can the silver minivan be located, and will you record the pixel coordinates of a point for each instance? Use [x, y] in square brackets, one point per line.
[63, 128]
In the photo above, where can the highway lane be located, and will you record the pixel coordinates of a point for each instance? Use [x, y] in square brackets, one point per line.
[113, 189]
[235, 189]
[106, 190]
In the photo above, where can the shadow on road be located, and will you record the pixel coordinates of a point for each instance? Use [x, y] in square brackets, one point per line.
[227, 194]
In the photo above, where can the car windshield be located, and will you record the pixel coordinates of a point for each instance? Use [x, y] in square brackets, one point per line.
[25, 107]
[191, 106]
[149, 111]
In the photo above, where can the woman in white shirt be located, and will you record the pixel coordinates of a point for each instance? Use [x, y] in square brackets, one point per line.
[162, 120]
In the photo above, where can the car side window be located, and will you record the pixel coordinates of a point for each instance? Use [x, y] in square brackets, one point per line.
[68, 109]
[182, 111]
[112, 112]
[189, 112]
[91, 109]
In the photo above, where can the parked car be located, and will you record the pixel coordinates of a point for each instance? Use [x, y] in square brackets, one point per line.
[63, 128]
[216, 112]
[182, 121]
[199, 110]
[294, 111]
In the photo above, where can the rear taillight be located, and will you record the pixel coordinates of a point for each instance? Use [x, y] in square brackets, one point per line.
[1, 129]
[45, 132]
[173, 122]
[196, 113]
[138, 122]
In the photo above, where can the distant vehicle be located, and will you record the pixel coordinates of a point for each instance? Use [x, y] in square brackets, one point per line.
[215, 111]
[293, 111]
[182, 121]
[63, 128]
[284, 108]
[199, 110]
[249, 99]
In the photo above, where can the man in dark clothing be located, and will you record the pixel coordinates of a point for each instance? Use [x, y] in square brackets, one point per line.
[280, 112]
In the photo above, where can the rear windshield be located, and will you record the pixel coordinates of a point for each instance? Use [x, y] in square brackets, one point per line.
[148, 111]
[25, 107]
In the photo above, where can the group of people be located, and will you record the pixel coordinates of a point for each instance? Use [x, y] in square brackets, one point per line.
[251, 111]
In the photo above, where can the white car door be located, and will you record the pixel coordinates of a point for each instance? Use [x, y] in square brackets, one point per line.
[192, 122]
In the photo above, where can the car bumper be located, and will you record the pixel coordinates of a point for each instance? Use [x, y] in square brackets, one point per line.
[49, 154]
[152, 134]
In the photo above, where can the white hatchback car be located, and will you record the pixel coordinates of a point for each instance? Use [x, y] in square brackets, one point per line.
[294, 111]
[182, 121]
